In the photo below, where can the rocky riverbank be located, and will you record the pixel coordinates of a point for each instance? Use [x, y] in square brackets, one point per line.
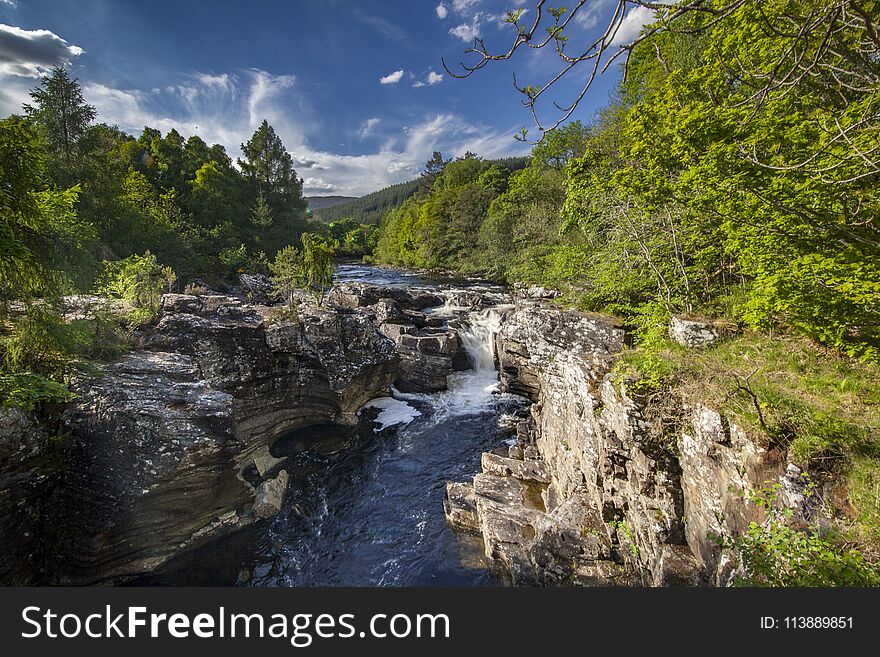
[596, 490]
[191, 438]
[185, 440]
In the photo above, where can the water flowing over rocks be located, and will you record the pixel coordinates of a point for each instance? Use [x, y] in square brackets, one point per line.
[429, 349]
[196, 435]
[596, 490]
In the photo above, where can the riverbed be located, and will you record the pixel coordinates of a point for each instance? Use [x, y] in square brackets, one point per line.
[375, 517]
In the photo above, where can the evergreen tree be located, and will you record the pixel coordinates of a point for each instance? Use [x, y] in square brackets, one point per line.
[60, 109]
[433, 168]
[268, 168]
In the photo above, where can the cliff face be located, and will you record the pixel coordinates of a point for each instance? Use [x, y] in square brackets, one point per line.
[171, 447]
[594, 492]
[25, 486]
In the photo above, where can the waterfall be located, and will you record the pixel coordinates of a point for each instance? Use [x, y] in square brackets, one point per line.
[477, 335]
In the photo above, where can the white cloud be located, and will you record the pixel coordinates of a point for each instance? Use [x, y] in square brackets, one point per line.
[442, 11]
[632, 25]
[11, 3]
[367, 127]
[432, 79]
[314, 186]
[30, 53]
[462, 6]
[469, 31]
[392, 78]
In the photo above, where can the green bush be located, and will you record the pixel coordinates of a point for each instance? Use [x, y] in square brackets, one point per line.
[240, 260]
[29, 391]
[775, 553]
[139, 280]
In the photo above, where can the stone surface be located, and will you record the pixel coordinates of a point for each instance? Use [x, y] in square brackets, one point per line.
[257, 288]
[460, 508]
[692, 333]
[25, 490]
[169, 447]
[270, 496]
[596, 490]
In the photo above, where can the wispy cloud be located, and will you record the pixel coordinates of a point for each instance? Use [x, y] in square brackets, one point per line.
[463, 6]
[632, 24]
[432, 79]
[227, 108]
[469, 31]
[30, 53]
[367, 127]
[442, 11]
[11, 3]
[392, 78]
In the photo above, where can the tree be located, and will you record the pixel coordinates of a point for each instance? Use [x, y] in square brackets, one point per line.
[139, 280]
[318, 266]
[268, 168]
[433, 168]
[60, 109]
[834, 39]
[288, 273]
[261, 213]
[43, 244]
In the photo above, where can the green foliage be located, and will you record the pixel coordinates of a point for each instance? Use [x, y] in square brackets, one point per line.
[30, 392]
[45, 248]
[139, 280]
[240, 260]
[776, 553]
[317, 266]
[646, 367]
[371, 208]
[279, 207]
[310, 269]
[288, 273]
[59, 108]
[40, 340]
[444, 226]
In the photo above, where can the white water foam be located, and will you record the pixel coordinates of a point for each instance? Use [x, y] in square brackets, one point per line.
[472, 391]
[394, 411]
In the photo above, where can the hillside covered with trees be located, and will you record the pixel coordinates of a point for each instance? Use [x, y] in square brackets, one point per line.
[734, 177]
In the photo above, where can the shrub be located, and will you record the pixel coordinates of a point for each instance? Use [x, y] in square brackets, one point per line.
[139, 280]
[29, 391]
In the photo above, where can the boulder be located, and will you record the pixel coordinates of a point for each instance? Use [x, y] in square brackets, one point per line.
[257, 288]
[270, 496]
[693, 333]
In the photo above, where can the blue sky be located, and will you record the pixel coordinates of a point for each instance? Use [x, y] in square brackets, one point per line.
[356, 89]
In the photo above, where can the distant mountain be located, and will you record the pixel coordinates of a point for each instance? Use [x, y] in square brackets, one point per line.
[371, 208]
[367, 209]
[320, 202]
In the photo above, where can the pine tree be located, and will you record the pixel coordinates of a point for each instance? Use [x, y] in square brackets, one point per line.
[261, 213]
[60, 108]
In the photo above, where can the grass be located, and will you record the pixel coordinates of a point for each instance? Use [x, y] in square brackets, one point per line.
[822, 407]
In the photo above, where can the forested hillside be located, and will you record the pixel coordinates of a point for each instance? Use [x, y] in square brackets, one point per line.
[322, 202]
[368, 209]
[734, 177]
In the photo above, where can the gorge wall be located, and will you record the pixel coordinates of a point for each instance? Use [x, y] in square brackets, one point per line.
[172, 447]
[595, 491]
[177, 445]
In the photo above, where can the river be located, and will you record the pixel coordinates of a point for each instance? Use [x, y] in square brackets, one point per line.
[375, 517]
